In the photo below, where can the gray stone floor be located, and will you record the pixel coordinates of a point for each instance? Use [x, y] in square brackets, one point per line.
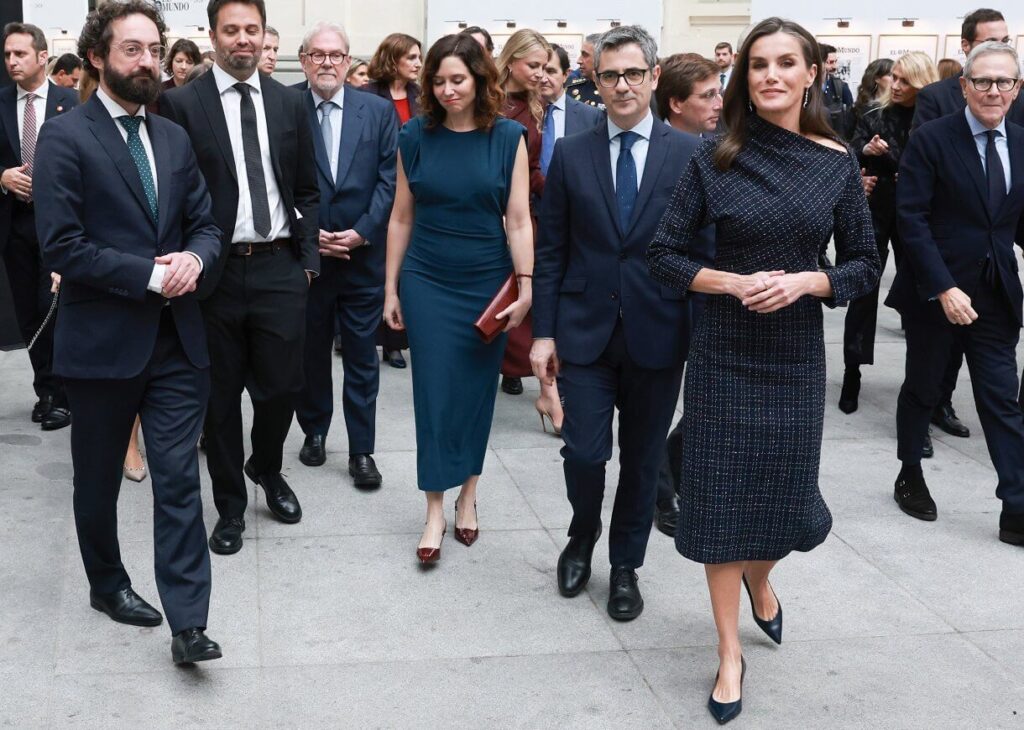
[892, 623]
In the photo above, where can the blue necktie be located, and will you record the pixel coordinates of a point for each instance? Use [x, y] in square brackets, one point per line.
[138, 152]
[625, 178]
[547, 142]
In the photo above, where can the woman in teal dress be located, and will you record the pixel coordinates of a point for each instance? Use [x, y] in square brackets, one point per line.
[460, 224]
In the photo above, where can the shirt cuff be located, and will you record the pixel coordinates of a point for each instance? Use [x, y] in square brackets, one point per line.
[156, 279]
[312, 274]
[198, 260]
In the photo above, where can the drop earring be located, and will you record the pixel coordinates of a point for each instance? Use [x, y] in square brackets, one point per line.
[750, 105]
[807, 96]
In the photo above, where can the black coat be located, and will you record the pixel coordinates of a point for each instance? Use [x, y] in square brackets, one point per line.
[383, 90]
[891, 123]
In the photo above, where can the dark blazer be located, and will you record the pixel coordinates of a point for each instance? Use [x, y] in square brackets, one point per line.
[362, 194]
[58, 101]
[945, 97]
[588, 266]
[580, 117]
[945, 222]
[99, 234]
[197, 107]
[383, 90]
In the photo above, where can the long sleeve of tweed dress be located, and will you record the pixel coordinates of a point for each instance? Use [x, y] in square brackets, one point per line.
[858, 267]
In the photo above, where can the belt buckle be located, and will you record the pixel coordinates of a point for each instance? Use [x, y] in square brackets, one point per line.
[248, 249]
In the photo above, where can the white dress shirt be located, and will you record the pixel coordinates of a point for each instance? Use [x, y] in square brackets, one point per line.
[115, 110]
[981, 142]
[558, 114]
[39, 103]
[639, 148]
[336, 121]
[231, 100]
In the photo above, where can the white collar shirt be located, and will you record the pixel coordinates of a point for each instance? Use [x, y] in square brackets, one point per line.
[40, 106]
[639, 148]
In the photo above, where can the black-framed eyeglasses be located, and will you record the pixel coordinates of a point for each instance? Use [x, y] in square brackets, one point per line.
[984, 83]
[633, 77]
[319, 57]
[132, 51]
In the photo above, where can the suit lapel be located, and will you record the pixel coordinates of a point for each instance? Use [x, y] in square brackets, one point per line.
[352, 121]
[162, 157]
[209, 99]
[652, 170]
[967, 150]
[9, 111]
[109, 138]
[319, 149]
[271, 103]
[51, 102]
[1015, 146]
[570, 117]
[601, 156]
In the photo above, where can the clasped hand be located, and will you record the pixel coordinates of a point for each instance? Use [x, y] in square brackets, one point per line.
[181, 274]
[769, 291]
[957, 306]
[339, 244]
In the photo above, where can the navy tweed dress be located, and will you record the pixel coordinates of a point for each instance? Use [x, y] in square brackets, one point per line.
[754, 398]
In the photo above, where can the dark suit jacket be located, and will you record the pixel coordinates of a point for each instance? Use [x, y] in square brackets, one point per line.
[580, 117]
[945, 222]
[362, 194]
[58, 101]
[945, 97]
[99, 234]
[197, 107]
[588, 265]
[383, 90]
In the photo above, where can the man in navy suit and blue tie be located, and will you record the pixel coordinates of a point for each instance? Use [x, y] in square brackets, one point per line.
[355, 136]
[960, 206]
[128, 225]
[617, 337]
[563, 115]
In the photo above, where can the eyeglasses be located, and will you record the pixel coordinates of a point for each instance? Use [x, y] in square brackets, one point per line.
[132, 51]
[319, 57]
[985, 84]
[633, 77]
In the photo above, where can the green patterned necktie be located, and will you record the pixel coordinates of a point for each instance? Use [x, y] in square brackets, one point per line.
[131, 126]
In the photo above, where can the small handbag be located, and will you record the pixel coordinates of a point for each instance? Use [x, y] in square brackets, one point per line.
[487, 325]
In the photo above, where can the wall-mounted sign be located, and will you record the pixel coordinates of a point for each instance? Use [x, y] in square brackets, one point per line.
[894, 46]
[853, 54]
[954, 50]
[55, 16]
[182, 15]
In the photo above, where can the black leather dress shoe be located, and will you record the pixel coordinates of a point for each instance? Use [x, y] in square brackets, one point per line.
[848, 397]
[394, 359]
[226, 538]
[126, 607]
[363, 471]
[512, 386]
[41, 408]
[666, 517]
[574, 563]
[312, 452]
[945, 418]
[58, 417]
[1011, 528]
[624, 600]
[281, 500]
[928, 450]
[913, 497]
[192, 645]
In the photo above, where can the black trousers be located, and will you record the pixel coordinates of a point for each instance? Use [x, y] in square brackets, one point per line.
[989, 345]
[170, 396]
[670, 476]
[30, 290]
[255, 321]
[359, 312]
[646, 401]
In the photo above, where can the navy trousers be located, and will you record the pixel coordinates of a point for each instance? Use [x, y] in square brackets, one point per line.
[359, 312]
[646, 401]
[170, 396]
[989, 345]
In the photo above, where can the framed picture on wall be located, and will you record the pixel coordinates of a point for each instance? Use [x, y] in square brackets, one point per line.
[853, 54]
[953, 49]
[894, 46]
[571, 42]
[63, 44]
[1020, 44]
[500, 39]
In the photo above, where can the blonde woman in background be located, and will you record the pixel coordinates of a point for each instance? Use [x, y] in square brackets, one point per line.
[879, 140]
[357, 75]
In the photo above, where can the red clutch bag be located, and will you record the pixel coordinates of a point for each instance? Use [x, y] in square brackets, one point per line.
[487, 325]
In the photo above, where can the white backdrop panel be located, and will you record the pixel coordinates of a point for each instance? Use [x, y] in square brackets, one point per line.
[53, 16]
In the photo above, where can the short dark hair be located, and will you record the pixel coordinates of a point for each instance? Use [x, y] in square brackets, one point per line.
[214, 6]
[39, 43]
[563, 57]
[489, 95]
[488, 41]
[96, 33]
[825, 49]
[182, 45]
[66, 63]
[271, 31]
[969, 29]
[722, 45]
[679, 73]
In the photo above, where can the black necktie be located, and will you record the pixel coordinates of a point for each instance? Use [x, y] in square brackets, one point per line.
[254, 163]
[996, 174]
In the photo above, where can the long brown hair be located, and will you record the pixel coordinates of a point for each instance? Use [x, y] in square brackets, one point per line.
[737, 105]
[489, 96]
[520, 44]
[384, 64]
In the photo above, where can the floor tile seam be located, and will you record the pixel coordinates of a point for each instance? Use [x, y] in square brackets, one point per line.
[518, 486]
[662, 704]
[1005, 668]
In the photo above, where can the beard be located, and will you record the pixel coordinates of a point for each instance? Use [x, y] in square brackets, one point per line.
[142, 87]
[239, 63]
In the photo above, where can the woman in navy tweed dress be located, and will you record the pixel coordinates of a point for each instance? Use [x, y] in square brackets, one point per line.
[778, 186]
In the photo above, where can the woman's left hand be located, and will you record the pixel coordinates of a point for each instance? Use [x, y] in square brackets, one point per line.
[775, 293]
[516, 312]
